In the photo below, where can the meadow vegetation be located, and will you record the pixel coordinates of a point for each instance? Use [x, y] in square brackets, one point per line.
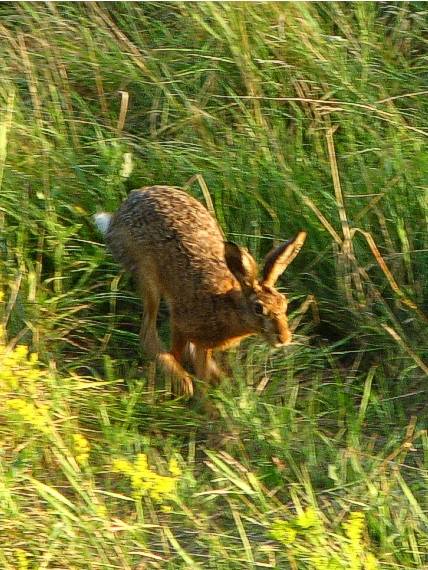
[283, 116]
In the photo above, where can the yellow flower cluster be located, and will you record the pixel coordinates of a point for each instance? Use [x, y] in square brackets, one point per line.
[146, 482]
[18, 369]
[282, 531]
[81, 448]
[36, 416]
[287, 531]
[356, 551]
[21, 559]
[307, 519]
[306, 539]
[19, 384]
[354, 527]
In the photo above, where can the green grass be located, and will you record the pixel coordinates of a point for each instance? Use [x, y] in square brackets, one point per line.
[289, 115]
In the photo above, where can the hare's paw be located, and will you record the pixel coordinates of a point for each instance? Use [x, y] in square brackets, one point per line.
[183, 386]
[181, 380]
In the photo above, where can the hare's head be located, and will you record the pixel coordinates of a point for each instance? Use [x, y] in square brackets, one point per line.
[266, 308]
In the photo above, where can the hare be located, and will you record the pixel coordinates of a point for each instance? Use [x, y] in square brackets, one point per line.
[176, 251]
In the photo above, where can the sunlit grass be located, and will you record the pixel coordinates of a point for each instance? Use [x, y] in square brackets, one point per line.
[285, 116]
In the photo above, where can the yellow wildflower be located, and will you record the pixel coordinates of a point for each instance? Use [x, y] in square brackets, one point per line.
[101, 511]
[162, 487]
[145, 481]
[173, 467]
[34, 357]
[370, 562]
[354, 528]
[21, 351]
[21, 559]
[283, 532]
[356, 549]
[306, 540]
[122, 466]
[18, 369]
[307, 519]
[81, 448]
[36, 416]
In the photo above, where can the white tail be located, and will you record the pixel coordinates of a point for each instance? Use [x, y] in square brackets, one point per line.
[102, 221]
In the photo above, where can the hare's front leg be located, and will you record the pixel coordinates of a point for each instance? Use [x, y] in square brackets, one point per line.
[171, 362]
[205, 366]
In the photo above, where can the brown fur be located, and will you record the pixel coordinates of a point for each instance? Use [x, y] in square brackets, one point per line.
[176, 251]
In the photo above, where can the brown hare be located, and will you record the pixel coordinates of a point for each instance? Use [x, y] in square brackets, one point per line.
[176, 251]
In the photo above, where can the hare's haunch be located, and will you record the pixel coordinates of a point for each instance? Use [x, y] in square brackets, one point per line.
[176, 251]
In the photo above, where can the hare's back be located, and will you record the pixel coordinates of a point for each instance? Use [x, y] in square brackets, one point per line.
[167, 225]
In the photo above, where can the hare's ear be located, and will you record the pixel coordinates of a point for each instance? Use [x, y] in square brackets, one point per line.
[280, 257]
[241, 263]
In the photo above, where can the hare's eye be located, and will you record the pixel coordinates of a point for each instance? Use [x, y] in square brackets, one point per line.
[259, 308]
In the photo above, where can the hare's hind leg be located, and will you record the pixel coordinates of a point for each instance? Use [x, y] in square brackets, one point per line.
[150, 295]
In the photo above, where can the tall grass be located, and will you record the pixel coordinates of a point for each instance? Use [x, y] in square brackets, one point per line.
[288, 115]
